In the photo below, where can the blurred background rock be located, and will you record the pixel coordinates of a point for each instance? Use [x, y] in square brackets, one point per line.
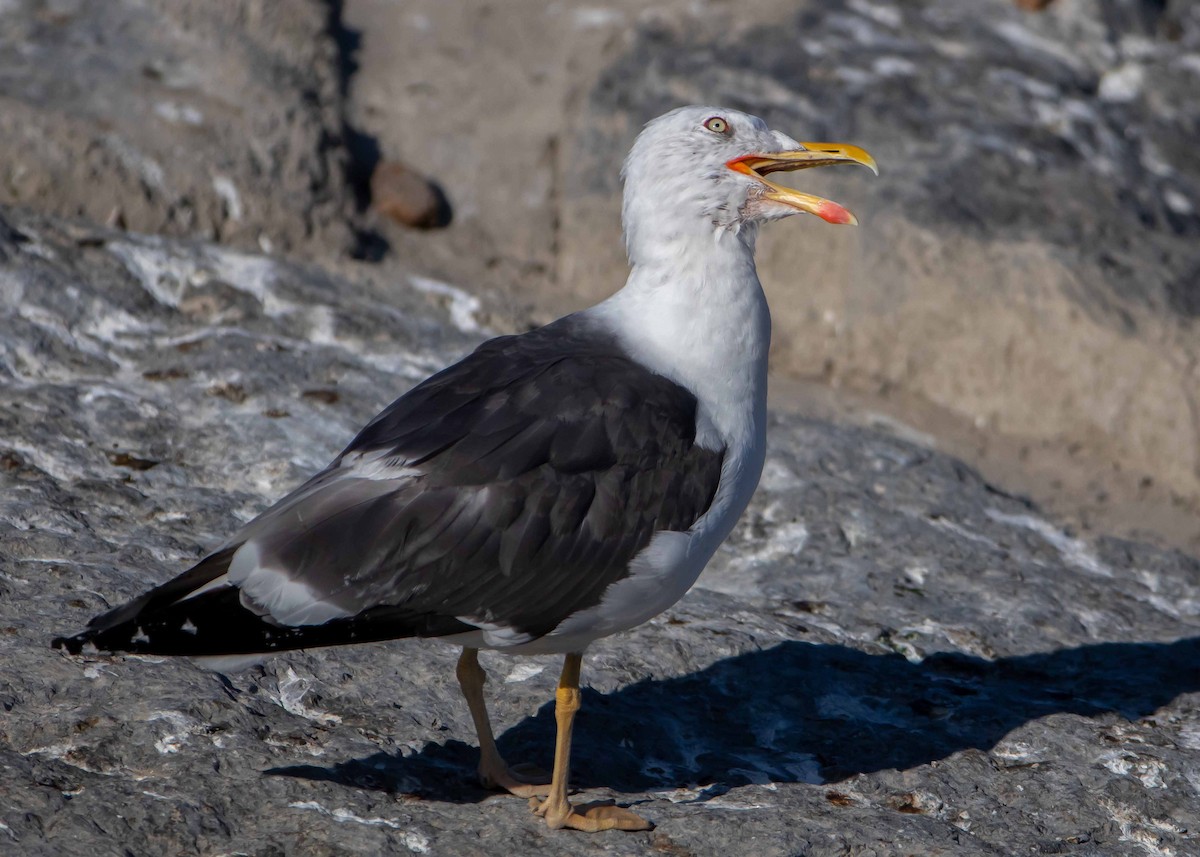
[1024, 289]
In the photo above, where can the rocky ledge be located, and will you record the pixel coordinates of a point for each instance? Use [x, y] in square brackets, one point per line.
[890, 656]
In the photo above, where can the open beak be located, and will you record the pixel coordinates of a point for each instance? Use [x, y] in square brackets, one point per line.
[811, 155]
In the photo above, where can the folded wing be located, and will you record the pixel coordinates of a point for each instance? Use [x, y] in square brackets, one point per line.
[507, 492]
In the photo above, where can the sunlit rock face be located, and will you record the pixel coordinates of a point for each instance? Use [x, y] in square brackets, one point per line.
[221, 121]
[1028, 253]
[888, 653]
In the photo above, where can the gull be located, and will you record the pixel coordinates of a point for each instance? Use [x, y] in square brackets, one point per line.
[549, 489]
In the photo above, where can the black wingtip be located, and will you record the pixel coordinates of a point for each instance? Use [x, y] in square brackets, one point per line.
[73, 645]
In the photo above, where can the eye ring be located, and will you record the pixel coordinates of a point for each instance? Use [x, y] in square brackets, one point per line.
[717, 125]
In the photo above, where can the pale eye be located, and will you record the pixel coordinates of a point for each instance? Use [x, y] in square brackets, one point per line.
[717, 125]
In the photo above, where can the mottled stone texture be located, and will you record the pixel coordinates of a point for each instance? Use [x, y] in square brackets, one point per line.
[889, 657]
[221, 120]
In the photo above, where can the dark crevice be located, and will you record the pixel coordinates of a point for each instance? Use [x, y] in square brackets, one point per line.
[362, 149]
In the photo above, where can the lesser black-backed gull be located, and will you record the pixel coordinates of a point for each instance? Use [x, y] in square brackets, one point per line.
[551, 488]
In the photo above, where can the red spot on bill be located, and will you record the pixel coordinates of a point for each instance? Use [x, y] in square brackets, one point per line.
[831, 212]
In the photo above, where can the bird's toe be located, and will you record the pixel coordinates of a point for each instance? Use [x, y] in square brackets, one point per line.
[589, 817]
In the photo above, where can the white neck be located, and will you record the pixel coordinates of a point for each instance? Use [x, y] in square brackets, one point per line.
[694, 311]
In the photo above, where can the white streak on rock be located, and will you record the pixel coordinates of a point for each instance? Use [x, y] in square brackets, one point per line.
[591, 17]
[741, 575]
[54, 751]
[1122, 84]
[462, 306]
[1125, 764]
[414, 842]
[1178, 202]
[182, 727]
[893, 67]
[111, 324]
[167, 273]
[322, 325]
[407, 364]
[857, 29]
[713, 797]
[62, 469]
[153, 268]
[48, 322]
[179, 114]
[880, 14]
[960, 530]
[20, 581]
[227, 190]
[1019, 751]
[1141, 829]
[1074, 552]
[254, 275]
[291, 699]
[168, 743]
[524, 671]
[787, 539]
[901, 430]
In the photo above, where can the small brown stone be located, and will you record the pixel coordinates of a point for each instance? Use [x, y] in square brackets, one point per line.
[1034, 5]
[407, 197]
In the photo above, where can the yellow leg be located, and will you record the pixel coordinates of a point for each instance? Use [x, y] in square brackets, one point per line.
[494, 773]
[556, 809]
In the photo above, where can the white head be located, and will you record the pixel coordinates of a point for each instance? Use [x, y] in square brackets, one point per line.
[698, 172]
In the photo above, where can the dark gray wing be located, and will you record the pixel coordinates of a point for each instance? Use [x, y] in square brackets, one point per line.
[511, 489]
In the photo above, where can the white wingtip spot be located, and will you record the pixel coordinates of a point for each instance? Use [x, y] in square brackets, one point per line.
[272, 592]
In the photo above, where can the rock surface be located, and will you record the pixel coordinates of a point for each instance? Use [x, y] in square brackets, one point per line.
[214, 120]
[889, 657]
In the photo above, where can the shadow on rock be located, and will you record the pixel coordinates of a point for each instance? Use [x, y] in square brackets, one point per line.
[442, 772]
[800, 712]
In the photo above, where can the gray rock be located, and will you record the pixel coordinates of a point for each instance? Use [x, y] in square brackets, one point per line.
[213, 120]
[890, 656]
[1073, 129]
